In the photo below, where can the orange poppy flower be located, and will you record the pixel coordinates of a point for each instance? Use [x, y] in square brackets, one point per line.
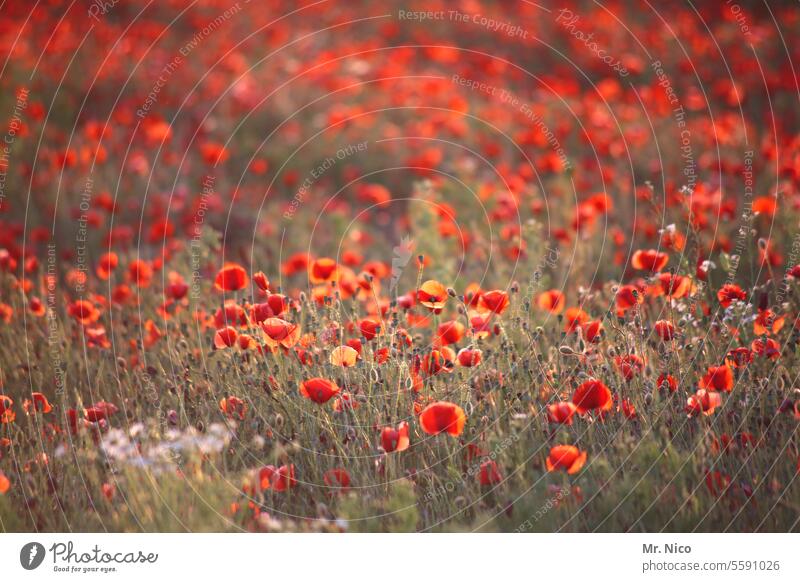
[767, 322]
[7, 415]
[730, 293]
[674, 286]
[100, 410]
[5, 484]
[225, 338]
[561, 412]
[261, 281]
[343, 356]
[437, 361]
[36, 307]
[319, 390]
[38, 403]
[703, 402]
[106, 265]
[83, 311]
[665, 381]
[493, 301]
[592, 395]
[574, 318]
[395, 439]
[432, 295]
[441, 417]
[141, 273]
[718, 378]
[552, 301]
[649, 260]
[566, 458]
[233, 406]
[450, 332]
[592, 331]
[739, 357]
[766, 347]
[278, 332]
[323, 271]
[231, 277]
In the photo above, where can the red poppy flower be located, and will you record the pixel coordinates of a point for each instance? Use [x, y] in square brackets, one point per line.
[561, 412]
[450, 332]
[395, 439]
[593, 331]
[566, 458]
[703, 402]
[674, 286]
[628, 296]
[106, 265]
[323, 271]
[231, 277]
[766, 347]
[441, 417]
[552, 301]
[278, 479]
[437, 361]
[592, 395]
[739, 357]
[83, 312]
[489, 474]
[629, 366]
[369, 328]
[574, 318]
[730, 293]
[99, 411]
[665, 330]
[665, 381]
[261, 281]
[718, 378]
[649, 260]
[225, 338]
[319, 390]
[278, 332]
[37, 403]
[493, 301]
[337, 479]
[432, 295]
[469, 357]
[233, 406]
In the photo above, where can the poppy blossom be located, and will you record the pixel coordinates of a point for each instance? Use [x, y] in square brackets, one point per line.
[628, 297]
[432, 295]
[7, 415]
[729, 293]
[225, 338]
[629, 366]
[665, 330]
[437, 361]
[450, 332]
[493, 301]
[440, 417]
[674, 286]
[592, 331]
[322, 271]
[277, 478]
[231, 277]
[703, 402]
[552, 301]
[5, 484]
[574, 318]
[83, 311]
[278, 332]
[469, 357]
[649, 260]
[489, 474]
[561, 412]
[37, 403]
[739, 357]
[337, 479]
[261, 281]
[369, 328]
[592, 395]
[718, 378]
[343, 356]
[395, 439]
[665, 381]
[766, 347]
[99, 411]
[233, 406]
[319, 390]
[566, 458]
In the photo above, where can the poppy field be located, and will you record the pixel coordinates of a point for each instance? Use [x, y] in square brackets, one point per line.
[347, 266]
